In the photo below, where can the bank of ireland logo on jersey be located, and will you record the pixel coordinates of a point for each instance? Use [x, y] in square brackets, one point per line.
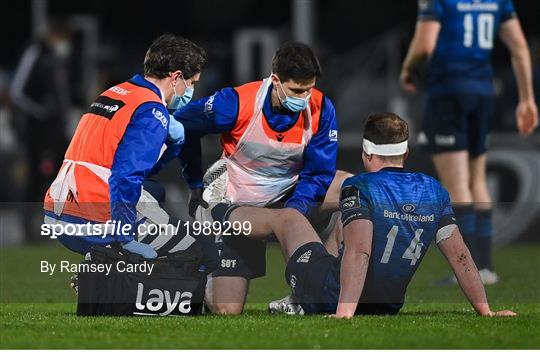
[332, 135]
[408, 208]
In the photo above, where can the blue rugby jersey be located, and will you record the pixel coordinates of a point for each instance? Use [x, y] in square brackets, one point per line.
[462, 58]
[408, 211]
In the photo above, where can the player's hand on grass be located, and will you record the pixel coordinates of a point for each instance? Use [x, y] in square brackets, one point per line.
[140, 248]
[344, 311]
[504, 313]
[406, 80]
[336, 316]
[196, 199]
[500, 313]
[527, 117]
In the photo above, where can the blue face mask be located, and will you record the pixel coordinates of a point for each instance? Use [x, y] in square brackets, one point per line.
[294, 104]
[179, 101]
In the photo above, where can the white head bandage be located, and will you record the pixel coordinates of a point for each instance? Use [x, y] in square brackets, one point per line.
[384, 149]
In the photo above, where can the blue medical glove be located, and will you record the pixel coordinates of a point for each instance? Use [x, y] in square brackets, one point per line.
[176, 131]
[140, 248]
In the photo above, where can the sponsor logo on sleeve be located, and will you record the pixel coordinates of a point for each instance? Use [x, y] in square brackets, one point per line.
[349, 198]
[209, 105]
[332, 135]
[160, 116]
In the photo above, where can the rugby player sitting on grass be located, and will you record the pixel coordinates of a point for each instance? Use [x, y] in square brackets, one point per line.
[390, 217]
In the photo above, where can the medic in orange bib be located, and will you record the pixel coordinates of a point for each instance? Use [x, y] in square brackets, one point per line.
[116, 146]
[279, 139]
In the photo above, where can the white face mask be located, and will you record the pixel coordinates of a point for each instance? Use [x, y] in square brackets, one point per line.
[62, 49]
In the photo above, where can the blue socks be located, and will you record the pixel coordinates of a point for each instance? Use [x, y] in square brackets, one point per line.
[476, 229]
[483, 242]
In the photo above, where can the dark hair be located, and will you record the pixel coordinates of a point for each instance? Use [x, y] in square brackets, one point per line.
[169, 53]
[386, 128]
[296, 61]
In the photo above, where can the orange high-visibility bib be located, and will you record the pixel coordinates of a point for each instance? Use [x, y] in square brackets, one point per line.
[81, 187]
[263, 164]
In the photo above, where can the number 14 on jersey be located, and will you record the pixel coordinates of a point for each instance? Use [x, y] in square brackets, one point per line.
[413, 252]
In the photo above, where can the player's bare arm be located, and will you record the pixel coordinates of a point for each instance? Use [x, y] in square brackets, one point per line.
[527, 112]
[421, 48]
[458, 256]
[357, 237]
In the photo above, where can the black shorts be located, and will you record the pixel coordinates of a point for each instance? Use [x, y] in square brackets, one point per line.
[309, 273]
[245, 257]
[240, 256]
[314, 277]
[457, 122]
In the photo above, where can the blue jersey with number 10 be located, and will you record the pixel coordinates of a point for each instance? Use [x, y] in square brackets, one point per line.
[408, 211]
[462, 58]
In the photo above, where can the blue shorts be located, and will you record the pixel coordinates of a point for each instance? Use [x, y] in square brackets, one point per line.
[457, 122]
[313, 275]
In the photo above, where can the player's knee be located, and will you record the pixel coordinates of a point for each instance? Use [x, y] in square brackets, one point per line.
[478, 186]
[284, 220]
[341, 176]
[478, 180]
[460, 193]
[480, 194]
[332, 195]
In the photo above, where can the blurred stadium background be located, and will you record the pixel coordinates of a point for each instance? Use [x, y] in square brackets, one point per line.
[361, 59]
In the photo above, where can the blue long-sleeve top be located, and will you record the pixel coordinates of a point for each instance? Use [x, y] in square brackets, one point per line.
[218, 114]
[135, 159]
[137, 155]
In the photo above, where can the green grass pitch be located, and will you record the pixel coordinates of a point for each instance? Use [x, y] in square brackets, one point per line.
[38, 311]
